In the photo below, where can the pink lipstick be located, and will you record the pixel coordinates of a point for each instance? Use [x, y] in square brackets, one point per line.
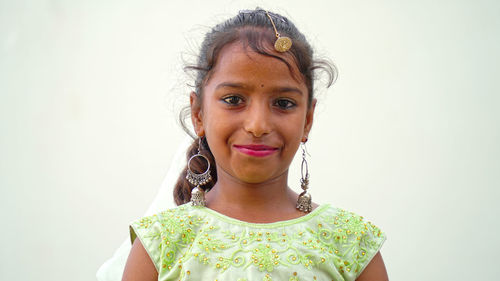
[256, 150]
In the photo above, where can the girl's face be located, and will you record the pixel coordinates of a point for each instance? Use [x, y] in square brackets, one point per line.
[254, 114]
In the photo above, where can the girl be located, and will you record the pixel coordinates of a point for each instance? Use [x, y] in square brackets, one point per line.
[237, 219]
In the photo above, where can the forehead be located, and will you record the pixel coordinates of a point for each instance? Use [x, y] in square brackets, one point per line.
[237, 62]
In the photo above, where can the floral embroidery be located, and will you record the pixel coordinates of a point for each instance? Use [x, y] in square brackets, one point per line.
[175, 233]
[265, 257]
[351, 240]
[189, 236]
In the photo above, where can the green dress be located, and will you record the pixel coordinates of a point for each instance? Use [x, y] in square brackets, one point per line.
[197, 243]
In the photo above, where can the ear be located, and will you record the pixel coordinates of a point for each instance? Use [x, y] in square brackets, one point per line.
[309, 120]
[196, 114]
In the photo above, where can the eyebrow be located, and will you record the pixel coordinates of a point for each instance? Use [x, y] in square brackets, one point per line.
[286, 89]
[244, 86]
[231, 85]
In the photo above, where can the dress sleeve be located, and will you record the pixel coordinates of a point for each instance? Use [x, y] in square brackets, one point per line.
[148, 230]
[356, 241]
[369, 244]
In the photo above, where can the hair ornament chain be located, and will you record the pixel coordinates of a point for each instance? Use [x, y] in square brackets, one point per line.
[282, 44]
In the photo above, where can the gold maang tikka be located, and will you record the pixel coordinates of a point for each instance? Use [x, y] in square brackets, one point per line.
[282, 44]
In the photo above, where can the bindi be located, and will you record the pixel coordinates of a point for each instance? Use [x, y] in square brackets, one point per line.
[262, 85]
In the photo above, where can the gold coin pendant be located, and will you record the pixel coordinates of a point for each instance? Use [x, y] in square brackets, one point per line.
[283, 44]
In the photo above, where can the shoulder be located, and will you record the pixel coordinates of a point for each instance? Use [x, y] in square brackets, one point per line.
[165, 231]
[346, 226]
[347, 222]
[168, 216]
[169, 222]
[354, 240]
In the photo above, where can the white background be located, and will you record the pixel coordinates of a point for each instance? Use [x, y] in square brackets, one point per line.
[408, 136]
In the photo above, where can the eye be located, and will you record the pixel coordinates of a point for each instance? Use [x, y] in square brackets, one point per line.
[284, 104]
[232, 100]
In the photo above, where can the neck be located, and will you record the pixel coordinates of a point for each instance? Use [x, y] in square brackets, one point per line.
[269, 201]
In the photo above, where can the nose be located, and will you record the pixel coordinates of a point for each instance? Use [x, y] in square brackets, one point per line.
[258, 120]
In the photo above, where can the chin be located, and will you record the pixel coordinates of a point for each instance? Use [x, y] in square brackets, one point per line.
[255, 176]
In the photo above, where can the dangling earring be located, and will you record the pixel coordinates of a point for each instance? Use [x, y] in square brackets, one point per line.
[198, 194]
[304, 201]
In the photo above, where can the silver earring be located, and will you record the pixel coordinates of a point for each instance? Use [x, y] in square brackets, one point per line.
[304, 202]
[198, 194]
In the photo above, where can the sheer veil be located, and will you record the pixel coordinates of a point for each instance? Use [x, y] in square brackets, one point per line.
[112, 269]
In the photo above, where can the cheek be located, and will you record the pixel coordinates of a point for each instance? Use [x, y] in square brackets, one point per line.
[293, 143]
[295, 126]
[292, 131]
[218, 130]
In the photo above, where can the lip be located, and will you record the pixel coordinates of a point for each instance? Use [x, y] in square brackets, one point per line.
[256, 150]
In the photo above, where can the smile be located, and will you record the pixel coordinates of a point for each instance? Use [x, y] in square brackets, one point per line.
[256, 150]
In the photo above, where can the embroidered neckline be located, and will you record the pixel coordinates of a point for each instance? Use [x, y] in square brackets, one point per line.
[231, 220]
[326, 241]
